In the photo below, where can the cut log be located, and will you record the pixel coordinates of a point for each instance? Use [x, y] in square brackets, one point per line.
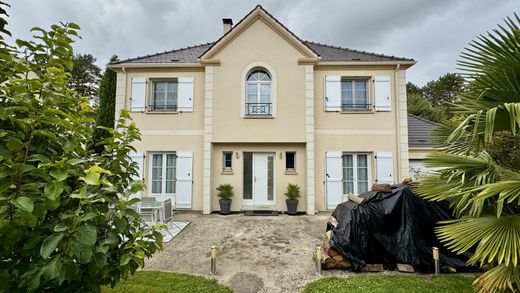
[338, 258]
[345, 264]
[408, 181]
[333, 222]
[373, 268]
[328, 235]
[356, 199]
[332, 252]
[402, 267]
[381, 187]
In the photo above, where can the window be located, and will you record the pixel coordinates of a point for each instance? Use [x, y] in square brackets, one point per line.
[290, 161]
[258, 95]
[163, 173]
[227, 161]
[164, 95]
[356, 173]
[354, 95]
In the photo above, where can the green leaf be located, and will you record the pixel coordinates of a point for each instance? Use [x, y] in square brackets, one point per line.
[53, 190]
[52, 269]
[124, 260]
[86, 217]
[91, 179]
[74, 161]
[100, 259]
[86, 235]
[24, 203]
[61, 227]
[59, 175]
[49, 244]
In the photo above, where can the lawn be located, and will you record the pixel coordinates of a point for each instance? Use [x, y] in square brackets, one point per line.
[159, 282]
[395, 283]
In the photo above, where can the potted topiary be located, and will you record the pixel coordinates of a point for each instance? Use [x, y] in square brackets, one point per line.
[293, 193]
[225, 192]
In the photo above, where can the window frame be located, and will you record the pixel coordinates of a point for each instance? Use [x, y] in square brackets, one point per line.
[152, 101]
[163, 180]
[368, 98]
[224, 167]
[290, 170]
[258, 84]
[355, 181]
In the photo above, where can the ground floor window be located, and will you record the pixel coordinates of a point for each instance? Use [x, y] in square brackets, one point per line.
[290, 161]
[227, 161]
[356, 173]
[162, 168]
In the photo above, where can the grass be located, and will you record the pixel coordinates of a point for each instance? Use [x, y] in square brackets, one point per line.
[159, 282]
[394, 283]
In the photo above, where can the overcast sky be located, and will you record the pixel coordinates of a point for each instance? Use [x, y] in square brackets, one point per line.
[433, 32]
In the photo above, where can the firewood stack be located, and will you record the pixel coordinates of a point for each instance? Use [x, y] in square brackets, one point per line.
[333, 259]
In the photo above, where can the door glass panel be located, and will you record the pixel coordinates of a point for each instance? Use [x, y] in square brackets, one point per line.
[348, 174]
[170, 173]
[265, 93]
[270, 179]
[252, 93]
[157, 173]
[248, 176]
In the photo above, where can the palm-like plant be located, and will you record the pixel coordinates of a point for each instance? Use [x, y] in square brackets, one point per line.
[483, 189]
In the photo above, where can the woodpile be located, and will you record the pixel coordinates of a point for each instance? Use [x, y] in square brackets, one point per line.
[333, 259]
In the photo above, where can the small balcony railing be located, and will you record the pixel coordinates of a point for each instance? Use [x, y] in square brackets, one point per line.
[258, 109]
[356, 107]
[162, 108]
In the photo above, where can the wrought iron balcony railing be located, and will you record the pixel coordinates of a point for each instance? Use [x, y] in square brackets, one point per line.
[258, 109]
[162, 108]
[356, 107]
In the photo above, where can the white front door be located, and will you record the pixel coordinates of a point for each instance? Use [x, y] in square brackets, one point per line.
[263, 179]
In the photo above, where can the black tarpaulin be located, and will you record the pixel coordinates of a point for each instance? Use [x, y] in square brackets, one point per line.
[390, 228]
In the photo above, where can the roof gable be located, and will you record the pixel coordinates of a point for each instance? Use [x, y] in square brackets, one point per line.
[259, 14]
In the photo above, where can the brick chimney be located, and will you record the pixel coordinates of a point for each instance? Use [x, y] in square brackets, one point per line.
[227, 24]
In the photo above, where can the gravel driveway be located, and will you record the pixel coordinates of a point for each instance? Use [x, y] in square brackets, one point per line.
[255, 254]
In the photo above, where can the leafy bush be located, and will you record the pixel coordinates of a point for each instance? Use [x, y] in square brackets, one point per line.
[225, 191]
[65, 221]
[293, 191]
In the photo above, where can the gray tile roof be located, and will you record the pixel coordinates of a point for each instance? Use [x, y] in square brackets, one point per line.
[419, 131]
[326, 52]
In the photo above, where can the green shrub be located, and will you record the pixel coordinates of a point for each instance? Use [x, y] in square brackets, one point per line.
[225, 191]
[65, 222]
[293, 191]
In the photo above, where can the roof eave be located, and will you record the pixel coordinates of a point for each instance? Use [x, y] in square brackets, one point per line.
[406, 63]
[153, 65]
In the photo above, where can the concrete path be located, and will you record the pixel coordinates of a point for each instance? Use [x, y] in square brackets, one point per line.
[255, 254]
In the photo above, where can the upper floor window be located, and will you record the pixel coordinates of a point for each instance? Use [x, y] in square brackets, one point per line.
[258, 96]
[164, 95]
[354, 95]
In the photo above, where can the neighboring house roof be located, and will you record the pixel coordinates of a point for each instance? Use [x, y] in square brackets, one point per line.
[327, 53]
[419, 131]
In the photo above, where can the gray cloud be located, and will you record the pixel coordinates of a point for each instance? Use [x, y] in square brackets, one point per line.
[432, 32]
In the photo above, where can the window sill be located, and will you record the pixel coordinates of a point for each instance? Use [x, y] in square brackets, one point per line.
[162, 112]
[227, 172]
[357, 111]
[291, 172]
[259, 117]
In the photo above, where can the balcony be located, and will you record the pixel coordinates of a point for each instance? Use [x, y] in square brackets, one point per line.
[258, 109]
[356, 107]
[162, 108]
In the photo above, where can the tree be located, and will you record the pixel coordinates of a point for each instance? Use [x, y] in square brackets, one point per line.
[419, 106]
[66, 223]
[411, 88]
[483, 186]
[444, 90]
[85, 76]
[107, 102]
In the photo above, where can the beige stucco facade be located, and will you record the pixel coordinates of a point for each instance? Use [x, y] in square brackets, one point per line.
[298, 121]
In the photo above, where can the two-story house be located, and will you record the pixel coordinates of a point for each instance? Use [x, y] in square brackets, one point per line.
[260, 108]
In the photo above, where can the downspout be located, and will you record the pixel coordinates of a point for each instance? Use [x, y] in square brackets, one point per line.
[397, 123]
[126, 82]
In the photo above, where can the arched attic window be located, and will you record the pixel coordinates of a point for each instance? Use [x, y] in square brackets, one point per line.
[259, 98]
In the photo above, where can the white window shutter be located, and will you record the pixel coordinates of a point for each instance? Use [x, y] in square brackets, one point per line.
[185, 94]
[385, 167]
[184, 180]
[138, 94]
[139, 159]
[332, 93]
[383, 93]
[333, 179]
